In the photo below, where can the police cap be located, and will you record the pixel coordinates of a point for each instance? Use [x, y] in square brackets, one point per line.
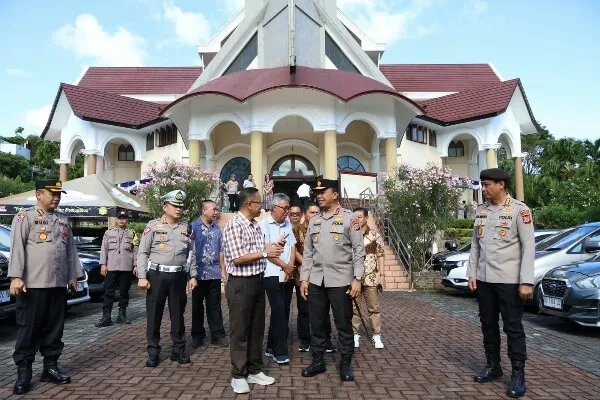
[52, 186]
[323, 184]
[175, 197]
[122, 214]
[494, 174]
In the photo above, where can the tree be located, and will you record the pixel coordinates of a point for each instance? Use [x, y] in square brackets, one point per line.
[13, 166]
[10, 186]
[76, 169]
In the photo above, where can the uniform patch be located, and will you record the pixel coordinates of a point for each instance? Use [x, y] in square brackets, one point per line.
[147, 230]
[503, 232]
[355, 224]
[65, 237]
[484, 212]
[39, 217]
[338, 219]
[161, 246]
[480, 231]
[21, 216]
[336, 237]
[315, 238]
[526, 216]
[43, 236]
[333, 229]
[508, 210]
[337, 211]
[504, 224]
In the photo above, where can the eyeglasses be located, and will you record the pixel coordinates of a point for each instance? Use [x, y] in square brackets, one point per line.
[285, 209]
[295, 214]
[255, 202]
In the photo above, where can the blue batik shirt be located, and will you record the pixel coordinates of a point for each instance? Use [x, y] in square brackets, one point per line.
[209, 246]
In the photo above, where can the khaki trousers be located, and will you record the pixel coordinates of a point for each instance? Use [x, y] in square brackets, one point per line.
[370, 295]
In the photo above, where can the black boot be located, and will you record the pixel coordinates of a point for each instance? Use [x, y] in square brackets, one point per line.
[122, 318]
[516, 386]
[105, 321]
[346, 373]
[180, 357]
[51, 373]
[316, 367]
[23, 383]
[152, 361]
[492, 370]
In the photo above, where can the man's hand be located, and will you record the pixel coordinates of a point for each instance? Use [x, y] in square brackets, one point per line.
[355, 288]
[144, 284]
[224, 277]
[135, 271]
[288, 269]
[104, 270]
[525, 291]
[273, 250]
[382, 280]
[193, 284]
[17, 286]
[73, 285]
[304, 289]
[472, 284]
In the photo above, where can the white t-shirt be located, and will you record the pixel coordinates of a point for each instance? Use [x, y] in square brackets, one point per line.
[272, 232]
[248, 184]
[303, 190]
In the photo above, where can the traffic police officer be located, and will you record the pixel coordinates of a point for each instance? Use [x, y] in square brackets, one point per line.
[43, 265]
[118, 258]
[162, 258]
[331, 275]
[501, 272]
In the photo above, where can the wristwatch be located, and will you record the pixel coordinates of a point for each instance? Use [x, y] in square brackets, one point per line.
[264, 254]
[358, 278]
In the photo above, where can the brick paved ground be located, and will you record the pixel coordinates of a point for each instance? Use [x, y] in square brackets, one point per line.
[433, 346]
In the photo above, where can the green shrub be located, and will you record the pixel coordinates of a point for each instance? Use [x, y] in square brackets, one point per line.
[138, 227]
[454, 233]
[592, 214]
[464, 240]
[461, 223]
[557, 217]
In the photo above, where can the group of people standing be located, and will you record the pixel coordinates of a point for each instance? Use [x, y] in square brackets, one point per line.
[232, 189]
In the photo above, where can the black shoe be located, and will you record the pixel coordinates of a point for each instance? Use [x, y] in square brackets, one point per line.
[516, 386]
[491, 372]
[330, 348]
[23, 383]
[122, 318]
[152, 362]
[197, 342]
[51, 373]
[316, 367]
[180, 357]
[304, 348]
[346, 373]
[105, 320]
[221, 342]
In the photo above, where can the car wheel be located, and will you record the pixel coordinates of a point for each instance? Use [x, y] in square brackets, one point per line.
[538, 301]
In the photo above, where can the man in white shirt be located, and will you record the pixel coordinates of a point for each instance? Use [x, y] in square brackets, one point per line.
[248, 183]
[278, 283]
[304, 195]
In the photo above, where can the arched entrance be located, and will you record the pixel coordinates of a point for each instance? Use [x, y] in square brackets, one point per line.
[289, 172]
[238, 166]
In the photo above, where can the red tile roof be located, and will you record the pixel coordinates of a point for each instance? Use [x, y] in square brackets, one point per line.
[141, 80]
[341, 84]
[438, 77]
[482, 102]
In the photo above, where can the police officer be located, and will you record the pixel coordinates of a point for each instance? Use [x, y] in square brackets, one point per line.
[501, 272]
[162, 257]
[43, 264]
[118, 258]
[331, 275]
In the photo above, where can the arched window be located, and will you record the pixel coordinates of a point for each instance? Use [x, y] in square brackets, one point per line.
[293, 166]
[238, 166]
[456, 149]
[150, 141]
[349, 163]
[126, 153]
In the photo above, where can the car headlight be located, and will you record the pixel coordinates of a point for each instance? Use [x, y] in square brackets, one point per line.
[588, 283]
[464, 263]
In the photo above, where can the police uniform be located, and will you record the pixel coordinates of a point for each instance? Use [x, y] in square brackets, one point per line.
[333, 257]
[118, 253]
[44, 256]
[501, 259]
[162, 259]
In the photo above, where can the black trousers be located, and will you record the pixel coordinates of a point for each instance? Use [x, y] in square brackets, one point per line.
[280, 299]
[163, 286]
[501, 298]
[209, 290]
[233, 202]
[122, 279]
[302, 322]
[320, 299]
[246, 301]
[304, 203]
[40, 316]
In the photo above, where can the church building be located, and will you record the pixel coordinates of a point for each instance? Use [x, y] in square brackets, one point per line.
[294, 89]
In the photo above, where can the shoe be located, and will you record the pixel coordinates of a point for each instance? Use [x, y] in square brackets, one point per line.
[240, 386]
[377, 342]
[269, 353]
[221, 342]
[122, 318]
[51, 373]
[516, 386]
[356, 341]
[197, 342]
[180, 357]
[23, 383]
[152, 362]
[346, 373]
[261, 379]
[491, 372]
[304, 348]
[330, 348]
[317, 366]
[105, 320]
[281, 359]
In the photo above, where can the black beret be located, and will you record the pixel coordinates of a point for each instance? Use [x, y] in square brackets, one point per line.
[494, 174]
[49, 185]
[323, 184]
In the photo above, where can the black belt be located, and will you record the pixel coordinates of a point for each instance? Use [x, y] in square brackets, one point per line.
[261, 275]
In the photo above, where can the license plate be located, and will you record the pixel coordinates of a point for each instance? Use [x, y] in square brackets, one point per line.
[80, 286]
[553, 302]
[4, 296]
[443, 273]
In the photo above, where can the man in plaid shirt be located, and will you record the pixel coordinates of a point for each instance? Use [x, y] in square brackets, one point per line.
[245, 260]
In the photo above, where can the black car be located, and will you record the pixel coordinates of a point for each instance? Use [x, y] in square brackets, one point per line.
[572, 292]
[89, 242]
[7, 303]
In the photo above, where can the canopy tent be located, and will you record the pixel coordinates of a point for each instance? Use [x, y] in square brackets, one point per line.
[90, 196]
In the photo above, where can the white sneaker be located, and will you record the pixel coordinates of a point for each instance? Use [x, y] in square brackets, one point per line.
[261, 379]
[356, 340]
[377, 342]
[240, 385]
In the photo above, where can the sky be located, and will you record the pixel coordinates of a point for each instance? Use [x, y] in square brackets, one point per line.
[552, 45]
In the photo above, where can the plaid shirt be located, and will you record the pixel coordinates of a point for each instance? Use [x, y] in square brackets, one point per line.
[241, 237]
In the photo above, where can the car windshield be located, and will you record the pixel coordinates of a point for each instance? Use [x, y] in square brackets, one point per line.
[4, 239]
[564, 238]
[465, 249]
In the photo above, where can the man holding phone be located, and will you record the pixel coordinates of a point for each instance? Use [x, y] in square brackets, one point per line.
[279, 284]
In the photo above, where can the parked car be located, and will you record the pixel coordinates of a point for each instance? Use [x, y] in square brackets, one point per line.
[89, 242]
[572, 292]
[7, 303]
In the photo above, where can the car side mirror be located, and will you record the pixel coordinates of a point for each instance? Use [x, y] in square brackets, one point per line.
[591, 246]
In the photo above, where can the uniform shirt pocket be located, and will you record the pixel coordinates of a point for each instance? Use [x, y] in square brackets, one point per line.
[128, 244]
[336, 237]
[161, 242]
[42, 235]
[503, 229]
[112, 243]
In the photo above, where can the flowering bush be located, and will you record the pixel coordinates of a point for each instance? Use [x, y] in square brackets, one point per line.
[419, 203]
[198, 185]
